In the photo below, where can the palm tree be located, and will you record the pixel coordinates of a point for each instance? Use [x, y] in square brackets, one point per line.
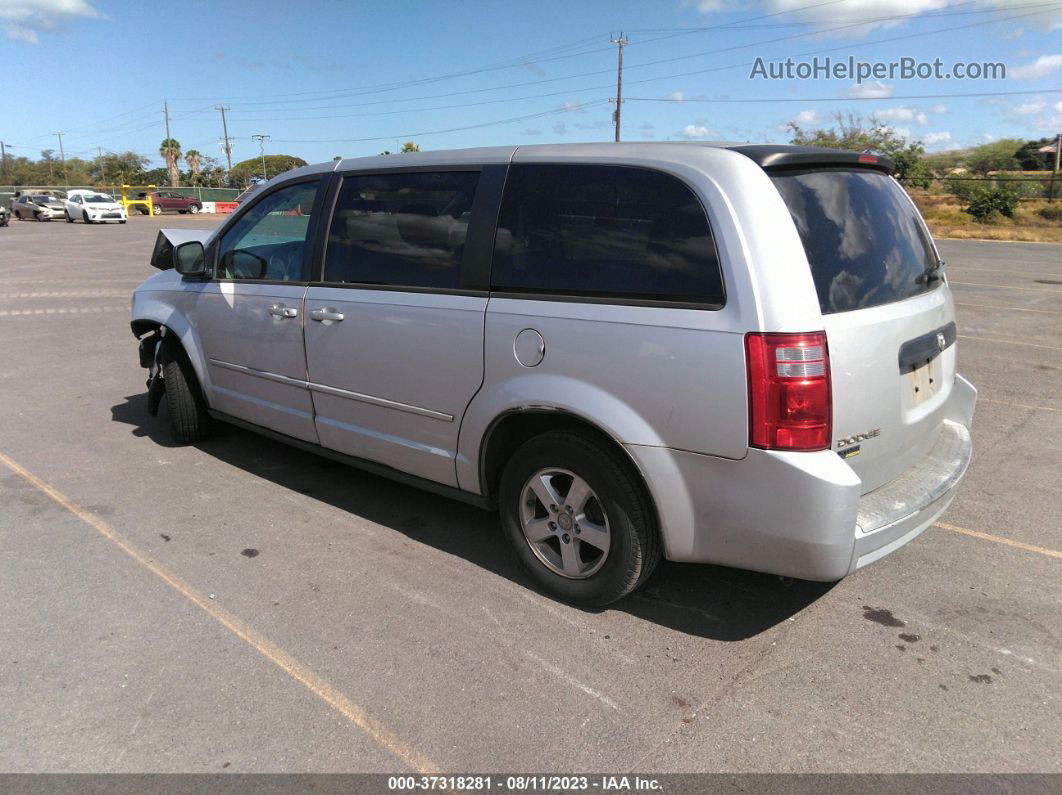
[194, 159]
[170, 149]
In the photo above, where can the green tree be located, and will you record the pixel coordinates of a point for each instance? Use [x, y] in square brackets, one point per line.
[119, 168]
[194, 159]
[1030, 158]
[856, 134]
[994, 156]
[409, 146]
[243, 171]
[170, 149]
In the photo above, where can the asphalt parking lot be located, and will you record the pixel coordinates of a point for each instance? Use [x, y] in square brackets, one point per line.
[239, 605]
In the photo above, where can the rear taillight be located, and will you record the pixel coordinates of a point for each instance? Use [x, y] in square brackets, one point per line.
[789, 391]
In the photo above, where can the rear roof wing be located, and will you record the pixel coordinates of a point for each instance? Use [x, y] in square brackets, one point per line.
[772, 157]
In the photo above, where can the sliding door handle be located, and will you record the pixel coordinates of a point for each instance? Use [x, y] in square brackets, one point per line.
[326, 313]
[279, 310]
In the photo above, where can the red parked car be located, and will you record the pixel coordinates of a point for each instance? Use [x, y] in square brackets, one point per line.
[169, 201]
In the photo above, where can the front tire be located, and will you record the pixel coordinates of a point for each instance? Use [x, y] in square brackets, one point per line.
[189, 420]
[85, 216]
[69, 218]
[578, 518]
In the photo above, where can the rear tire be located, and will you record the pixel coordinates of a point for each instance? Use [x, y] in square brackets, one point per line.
[189, 420]
[618, 503]
[193, 209]
[157, 209]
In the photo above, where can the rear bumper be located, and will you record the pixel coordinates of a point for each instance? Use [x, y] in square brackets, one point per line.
[801, 514]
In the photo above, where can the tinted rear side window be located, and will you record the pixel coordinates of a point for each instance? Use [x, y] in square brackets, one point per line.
[604, 231]
[863, 239]
[403, 230]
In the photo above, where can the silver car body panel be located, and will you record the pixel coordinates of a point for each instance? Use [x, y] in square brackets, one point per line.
[415, 380]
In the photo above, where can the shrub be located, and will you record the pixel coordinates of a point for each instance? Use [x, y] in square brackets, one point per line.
[1051, 213]
[990, 203]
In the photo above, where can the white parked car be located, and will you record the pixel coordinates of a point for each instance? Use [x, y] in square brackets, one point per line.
[92, 207]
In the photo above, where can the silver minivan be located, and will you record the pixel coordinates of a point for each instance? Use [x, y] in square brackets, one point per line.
[732, 354]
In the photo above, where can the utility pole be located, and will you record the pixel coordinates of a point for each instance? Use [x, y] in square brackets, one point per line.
[3, 158]
[62, 156]
[1058, 162]
[620, 43]
[103, 167]
[226, 141]
[262, 138]
[166, 113]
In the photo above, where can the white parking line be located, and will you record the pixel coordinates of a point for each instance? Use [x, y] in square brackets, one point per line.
[52, 310]
[1011, 308]
[69, 294]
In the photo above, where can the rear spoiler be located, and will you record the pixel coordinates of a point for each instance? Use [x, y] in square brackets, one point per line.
[169, 239]
[772, 158]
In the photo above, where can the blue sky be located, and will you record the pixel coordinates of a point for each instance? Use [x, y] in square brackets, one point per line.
[355, 78]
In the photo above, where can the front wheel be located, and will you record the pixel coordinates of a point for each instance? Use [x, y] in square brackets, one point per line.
[69, 218]
[85, 217]
[189, 418]
[578, 518]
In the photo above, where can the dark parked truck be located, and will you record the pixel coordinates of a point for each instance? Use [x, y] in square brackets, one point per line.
[170, 201]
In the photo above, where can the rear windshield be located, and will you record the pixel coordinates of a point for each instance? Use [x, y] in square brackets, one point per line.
[864, 240]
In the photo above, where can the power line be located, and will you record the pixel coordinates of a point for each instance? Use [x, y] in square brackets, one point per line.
[845, 99]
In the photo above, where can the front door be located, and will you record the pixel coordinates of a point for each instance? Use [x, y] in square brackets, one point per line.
[394, 339]
[250, 316]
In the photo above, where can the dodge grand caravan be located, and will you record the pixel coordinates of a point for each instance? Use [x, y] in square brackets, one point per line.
[735, 354]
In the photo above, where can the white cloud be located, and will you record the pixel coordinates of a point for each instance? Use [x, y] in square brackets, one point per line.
[807, 117]
[573, 107]
[939, 109]
[648, 125]
[706, 6]
[1017, 33]
[1041, 67]
[872, 90]
[903, 132]
[676, 96]
[900, 113]
[826, 16]
[987, 137]
[1058, 106]
[1030, 108]
[942, 138]
[24, 20]
[698, 130]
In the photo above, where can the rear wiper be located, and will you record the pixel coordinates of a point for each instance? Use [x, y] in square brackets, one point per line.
[933, 274]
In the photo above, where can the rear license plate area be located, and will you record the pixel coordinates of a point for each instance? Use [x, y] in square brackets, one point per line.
[925, 382]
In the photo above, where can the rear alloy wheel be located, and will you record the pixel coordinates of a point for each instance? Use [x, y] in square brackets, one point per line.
[157, 209]
[578, 518]
[193, 209]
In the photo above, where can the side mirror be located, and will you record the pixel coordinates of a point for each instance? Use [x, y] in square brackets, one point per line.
[189, 259]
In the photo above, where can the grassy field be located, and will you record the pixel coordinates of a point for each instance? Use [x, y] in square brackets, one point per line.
[945, 216]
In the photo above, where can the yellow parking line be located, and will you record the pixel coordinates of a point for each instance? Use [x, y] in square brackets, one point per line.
[1016, 405]
[1005, 287]
[1009, 342]
[288, 664]
[1011, 308]
[1051, 553]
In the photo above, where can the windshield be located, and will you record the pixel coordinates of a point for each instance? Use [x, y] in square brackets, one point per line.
[99, 198]
[864, 240]
[43, 199]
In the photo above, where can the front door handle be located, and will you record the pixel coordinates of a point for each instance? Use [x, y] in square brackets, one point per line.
[326, 313]
[279, 310]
